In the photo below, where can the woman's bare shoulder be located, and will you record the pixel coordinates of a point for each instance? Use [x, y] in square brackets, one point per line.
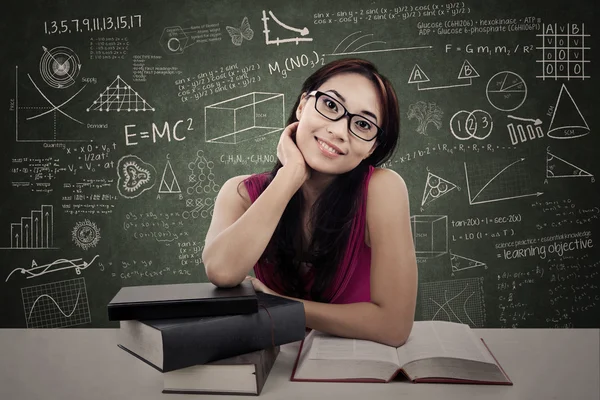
[386, 180]
[235, 188]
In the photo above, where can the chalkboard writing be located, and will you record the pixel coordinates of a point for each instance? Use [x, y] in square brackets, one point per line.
[122, 121]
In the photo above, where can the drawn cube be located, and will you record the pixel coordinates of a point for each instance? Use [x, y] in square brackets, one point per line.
[245, 117]
[430, 235]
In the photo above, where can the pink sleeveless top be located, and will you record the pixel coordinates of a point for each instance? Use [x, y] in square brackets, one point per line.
[352, 281]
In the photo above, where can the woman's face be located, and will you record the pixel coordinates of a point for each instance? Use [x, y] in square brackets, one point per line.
[328, 146]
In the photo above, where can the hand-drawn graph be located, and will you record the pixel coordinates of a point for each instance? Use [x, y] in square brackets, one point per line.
[294, 31]
[168, 182]
[506, 91]
[477, 124]
[43, 121]
[557, 167]
[202, 183]
[430, 235]
[436, 187]
[425, 113]
[460, 263]
[467, 72]
[494, 182]
[563, 51]
[534, 130]
[135, 176]
[459, 300]
[85, 234]
[567, 121]
[244, 117]
[59, 67]
[352, 39]
[35, 231]
[119, 96]
[57, 265]
[239, 34]
[56, 305]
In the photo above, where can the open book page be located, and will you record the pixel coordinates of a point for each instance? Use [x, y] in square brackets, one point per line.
[326, 347]
[325, 357]
[429, 339]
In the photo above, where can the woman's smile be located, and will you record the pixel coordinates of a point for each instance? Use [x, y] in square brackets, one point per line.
[328, 149]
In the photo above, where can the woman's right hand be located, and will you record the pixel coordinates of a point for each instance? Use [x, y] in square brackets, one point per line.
[290, 156]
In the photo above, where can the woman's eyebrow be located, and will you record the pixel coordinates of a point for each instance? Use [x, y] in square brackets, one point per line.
[369, 113]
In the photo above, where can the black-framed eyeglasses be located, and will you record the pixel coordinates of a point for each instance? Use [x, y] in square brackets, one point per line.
[358, 125]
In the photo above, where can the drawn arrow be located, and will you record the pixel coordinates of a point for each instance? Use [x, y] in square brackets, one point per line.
[535, 121]
[509, 198]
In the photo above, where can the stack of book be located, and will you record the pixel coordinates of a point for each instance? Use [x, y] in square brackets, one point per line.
[205, 339]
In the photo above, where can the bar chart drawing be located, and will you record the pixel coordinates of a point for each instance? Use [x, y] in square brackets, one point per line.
[35, 231]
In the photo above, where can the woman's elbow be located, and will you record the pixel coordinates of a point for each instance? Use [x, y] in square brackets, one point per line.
[397, 335]
[221, 278]
[215, 272]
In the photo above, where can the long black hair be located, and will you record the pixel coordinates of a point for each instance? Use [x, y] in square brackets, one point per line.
[333, 212]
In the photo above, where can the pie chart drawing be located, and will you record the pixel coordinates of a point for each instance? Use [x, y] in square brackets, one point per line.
[506, 91]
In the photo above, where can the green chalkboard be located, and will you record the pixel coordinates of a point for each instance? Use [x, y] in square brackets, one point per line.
[122, 119]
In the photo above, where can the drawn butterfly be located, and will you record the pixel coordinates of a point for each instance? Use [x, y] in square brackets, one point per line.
[238, 35]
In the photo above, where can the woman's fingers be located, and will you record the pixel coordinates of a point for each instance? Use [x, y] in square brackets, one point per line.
[286, 148]
[259, 286]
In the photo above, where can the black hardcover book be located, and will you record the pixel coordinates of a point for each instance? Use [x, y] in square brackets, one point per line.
[172, 344]
[181, 301]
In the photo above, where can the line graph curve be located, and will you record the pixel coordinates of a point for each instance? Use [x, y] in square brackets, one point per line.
[57, 305]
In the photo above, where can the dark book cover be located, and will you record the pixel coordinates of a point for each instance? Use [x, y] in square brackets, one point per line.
[182, 300]
[170, 344]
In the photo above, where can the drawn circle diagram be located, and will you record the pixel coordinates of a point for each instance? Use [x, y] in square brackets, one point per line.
[437, 186]
[477, 124]
[86, 234]
[174, 45]
[59, 67]
[506, 91]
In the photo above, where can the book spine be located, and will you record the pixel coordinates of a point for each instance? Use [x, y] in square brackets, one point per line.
[205, 341]
[181, 309]
[264, 366]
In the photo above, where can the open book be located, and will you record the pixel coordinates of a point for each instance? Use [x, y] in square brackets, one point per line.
[436, 351]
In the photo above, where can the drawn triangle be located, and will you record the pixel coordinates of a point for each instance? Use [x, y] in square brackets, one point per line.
[567, 121]
[556, 167]
[169, 175]
[435, 188]
[467, 71]
[417, 75]
[118, 97]
[459, 262]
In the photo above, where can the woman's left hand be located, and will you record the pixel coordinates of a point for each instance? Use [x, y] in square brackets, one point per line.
[259, 286]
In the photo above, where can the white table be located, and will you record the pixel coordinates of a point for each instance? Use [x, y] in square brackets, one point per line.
[85, 364]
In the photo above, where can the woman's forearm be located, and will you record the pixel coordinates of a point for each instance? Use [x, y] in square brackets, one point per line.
[364, 320]
[233, 252]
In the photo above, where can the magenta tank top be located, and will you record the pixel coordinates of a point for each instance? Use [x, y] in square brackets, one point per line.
[352, 281]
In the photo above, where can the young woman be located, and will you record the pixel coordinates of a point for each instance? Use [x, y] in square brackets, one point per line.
[326, 226]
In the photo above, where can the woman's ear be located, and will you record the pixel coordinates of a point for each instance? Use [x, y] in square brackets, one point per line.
[301, 105]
